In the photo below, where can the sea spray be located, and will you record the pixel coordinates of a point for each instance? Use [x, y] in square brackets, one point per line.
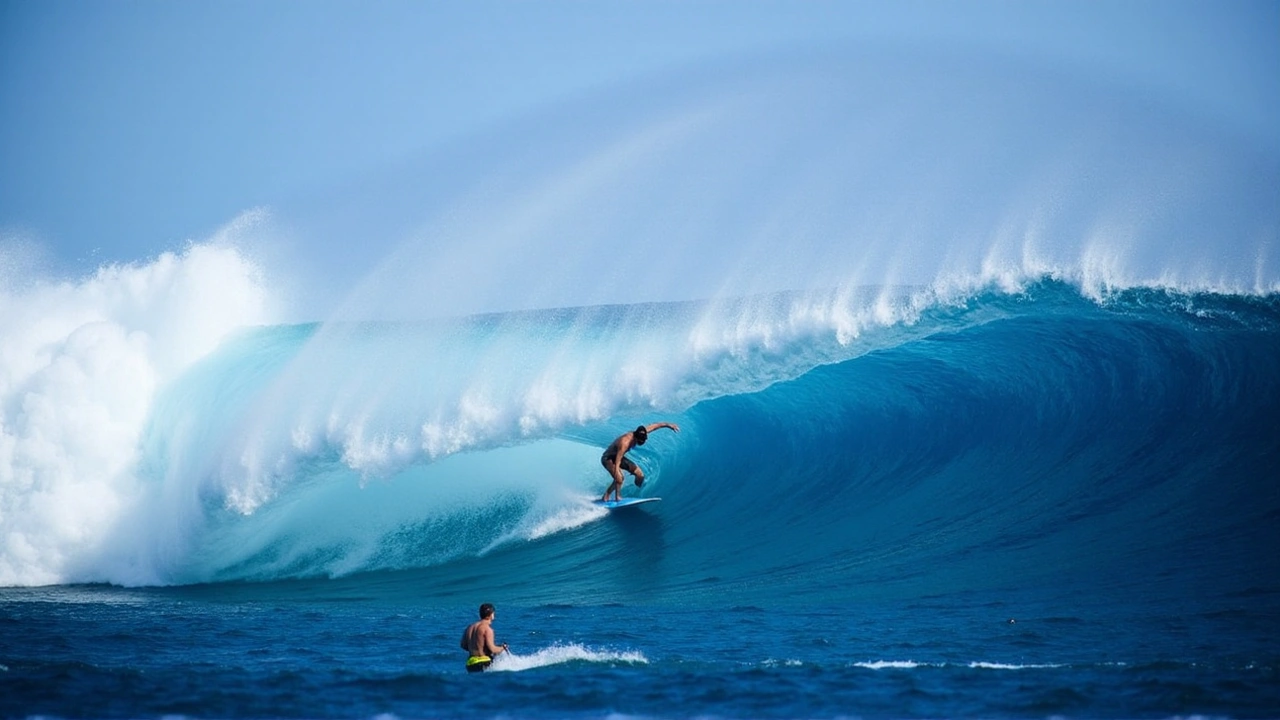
[80, 364]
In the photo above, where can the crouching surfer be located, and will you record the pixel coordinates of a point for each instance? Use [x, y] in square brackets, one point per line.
[615, 458]
[477, 640]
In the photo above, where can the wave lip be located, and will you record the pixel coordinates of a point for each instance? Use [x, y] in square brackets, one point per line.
[976, 664]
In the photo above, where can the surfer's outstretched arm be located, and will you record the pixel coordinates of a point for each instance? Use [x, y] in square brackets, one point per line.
[655, 426]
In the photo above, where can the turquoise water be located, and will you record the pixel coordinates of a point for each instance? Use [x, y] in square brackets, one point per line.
[995, 503]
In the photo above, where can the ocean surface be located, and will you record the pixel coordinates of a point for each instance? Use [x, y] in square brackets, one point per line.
[1023, 499]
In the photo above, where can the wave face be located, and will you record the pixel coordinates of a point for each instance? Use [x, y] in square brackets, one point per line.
[877, 442]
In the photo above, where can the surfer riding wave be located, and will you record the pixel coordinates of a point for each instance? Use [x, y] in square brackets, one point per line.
[615, 458]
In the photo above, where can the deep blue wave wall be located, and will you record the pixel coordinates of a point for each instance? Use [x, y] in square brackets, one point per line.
[1087, 447]
[1090, 450]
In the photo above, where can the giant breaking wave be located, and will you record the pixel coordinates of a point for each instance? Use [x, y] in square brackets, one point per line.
[1000, 429]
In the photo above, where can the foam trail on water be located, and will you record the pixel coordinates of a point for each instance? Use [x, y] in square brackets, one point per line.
[557, 654]
[976, 665]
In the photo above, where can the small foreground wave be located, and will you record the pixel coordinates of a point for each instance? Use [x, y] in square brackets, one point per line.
[557, 654]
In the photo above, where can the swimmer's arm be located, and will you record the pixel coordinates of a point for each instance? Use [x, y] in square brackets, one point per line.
[657, 426]
[491, 649]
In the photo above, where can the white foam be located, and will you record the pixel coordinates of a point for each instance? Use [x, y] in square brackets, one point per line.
[888, 664]
[557, 654]
[1012, 666]
[80, 363]
[977, 665]
[554, 510]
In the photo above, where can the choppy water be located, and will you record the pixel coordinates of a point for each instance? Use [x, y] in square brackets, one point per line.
[108, 653]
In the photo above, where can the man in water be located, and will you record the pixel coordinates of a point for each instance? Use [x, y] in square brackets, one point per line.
[615, 458]
[477, 640]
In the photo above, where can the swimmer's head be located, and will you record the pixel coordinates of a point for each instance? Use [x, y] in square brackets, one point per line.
[641, 434]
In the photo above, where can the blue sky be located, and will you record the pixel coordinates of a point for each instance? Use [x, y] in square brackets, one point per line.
[129, 127]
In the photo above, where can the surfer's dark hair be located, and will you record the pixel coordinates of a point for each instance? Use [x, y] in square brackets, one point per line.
[641, 434]
[486, 610]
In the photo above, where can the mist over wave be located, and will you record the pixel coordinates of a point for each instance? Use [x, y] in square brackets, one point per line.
[808, 171]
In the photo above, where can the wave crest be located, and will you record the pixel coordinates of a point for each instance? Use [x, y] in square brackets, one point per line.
[80, 364]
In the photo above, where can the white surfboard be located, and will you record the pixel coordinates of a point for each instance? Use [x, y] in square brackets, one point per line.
[624, 503]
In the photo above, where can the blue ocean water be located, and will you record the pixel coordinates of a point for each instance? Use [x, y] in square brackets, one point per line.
[1033, 501]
